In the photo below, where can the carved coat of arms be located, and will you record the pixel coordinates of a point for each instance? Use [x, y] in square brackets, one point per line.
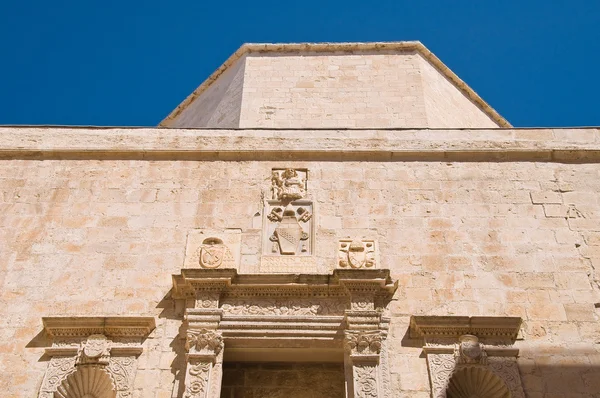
[357, 253]
[213, 253]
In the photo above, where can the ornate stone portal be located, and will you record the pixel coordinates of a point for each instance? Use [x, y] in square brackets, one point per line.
[460, 365]
[324, 316]
[93, 356]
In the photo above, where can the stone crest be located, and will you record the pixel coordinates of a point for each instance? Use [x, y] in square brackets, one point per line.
[212, 253]
[213, 248]
[357, 253]
[288, 225]
[288, 184]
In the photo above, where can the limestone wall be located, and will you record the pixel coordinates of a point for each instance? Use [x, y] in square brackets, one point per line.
[318, 90]
[218, 106]
[93, 234]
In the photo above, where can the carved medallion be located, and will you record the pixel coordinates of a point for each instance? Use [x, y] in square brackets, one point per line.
[357, 253]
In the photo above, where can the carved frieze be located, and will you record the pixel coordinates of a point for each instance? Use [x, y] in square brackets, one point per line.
[284, 307]
[357, 253]
[208, 248]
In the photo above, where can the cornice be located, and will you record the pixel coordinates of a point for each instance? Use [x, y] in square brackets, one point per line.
[581, 144]
[455, 326]
[231, 284]
[135, 327]
[304, 48]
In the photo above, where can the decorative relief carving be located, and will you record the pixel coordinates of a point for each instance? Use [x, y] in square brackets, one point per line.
[95, 350]
[469, 351]
[441, 367]
[58, 370]
[122, 372]
[365, 381]
[476, 381]
[386, 383]
[197, 379]
[93, 356]
[506, 368]
[289, 229]
[284, 307]
[357, 253]
[213, 249]
[288, 184]
[87, 381]
[204, 341]
[362, 342]
[213, 253]
[288, 225]
[444, 367]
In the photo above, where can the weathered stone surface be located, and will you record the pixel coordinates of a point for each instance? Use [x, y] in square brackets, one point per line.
[470, 222]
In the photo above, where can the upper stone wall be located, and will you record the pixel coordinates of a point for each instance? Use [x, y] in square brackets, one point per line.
[348, 85]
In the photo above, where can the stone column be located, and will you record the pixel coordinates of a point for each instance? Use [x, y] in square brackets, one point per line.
[204, 363]
[363, 340]
[362, 359]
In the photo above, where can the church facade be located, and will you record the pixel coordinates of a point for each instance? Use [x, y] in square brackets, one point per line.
[315, 220]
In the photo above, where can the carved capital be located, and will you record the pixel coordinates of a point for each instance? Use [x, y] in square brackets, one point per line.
[204, 341]
[362, 342]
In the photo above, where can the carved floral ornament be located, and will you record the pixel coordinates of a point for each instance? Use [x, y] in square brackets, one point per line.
[93, 356]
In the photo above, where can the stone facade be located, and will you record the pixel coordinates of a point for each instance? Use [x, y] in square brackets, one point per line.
[483, 259]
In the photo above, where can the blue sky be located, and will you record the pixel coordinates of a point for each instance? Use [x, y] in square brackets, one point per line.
[86, 62]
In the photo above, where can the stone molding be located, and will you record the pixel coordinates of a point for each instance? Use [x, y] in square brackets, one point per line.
[58, 327]
[227, 283]
[555, 145]
[83, 346]
[461, 349]
[454, 326]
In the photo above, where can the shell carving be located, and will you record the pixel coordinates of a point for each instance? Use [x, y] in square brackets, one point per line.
[476, 382]
[86, 382]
